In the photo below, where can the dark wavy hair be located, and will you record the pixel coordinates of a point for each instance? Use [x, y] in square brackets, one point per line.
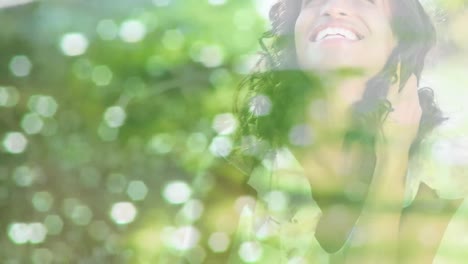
[289, 91]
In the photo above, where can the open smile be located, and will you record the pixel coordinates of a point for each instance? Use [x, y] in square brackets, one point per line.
[335, 32]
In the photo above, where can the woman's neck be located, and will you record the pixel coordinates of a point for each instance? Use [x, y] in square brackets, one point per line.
[331, 118]
[339, 95]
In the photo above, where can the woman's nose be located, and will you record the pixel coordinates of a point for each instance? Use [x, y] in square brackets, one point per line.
[336, 8]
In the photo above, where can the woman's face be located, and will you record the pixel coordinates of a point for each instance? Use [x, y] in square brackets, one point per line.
[344, 34]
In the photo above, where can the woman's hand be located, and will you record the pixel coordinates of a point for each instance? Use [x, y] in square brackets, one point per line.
[379, 222]
[400, 128]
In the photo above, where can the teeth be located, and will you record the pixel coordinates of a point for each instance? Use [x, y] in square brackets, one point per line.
[336, 33]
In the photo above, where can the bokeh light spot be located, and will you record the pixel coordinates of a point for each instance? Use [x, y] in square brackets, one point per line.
[107, 29]
[185, 238]
[21, 233]
[15, 142]
[32, 123]
[177, 192]
[123, 213]
[250, 251]
[225, 124]
[24, 176]
[44, 105]
[9, 96]
[115, 116]
[20, 66]
[81, 215]
[219, 242]
[54, 224]
[192, 210]
[197, 142]
[101, 75]
[38, 233]
[221, 146]
[74, 44]
[132, 31]
[260, 105]
[42, 201]
[137, 190]
[161, 143]
[211, 56]
[301, 135]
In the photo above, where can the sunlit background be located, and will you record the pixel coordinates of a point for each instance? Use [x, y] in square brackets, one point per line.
[116, 127]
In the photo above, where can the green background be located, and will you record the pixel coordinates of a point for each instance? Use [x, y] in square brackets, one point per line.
[127, 116]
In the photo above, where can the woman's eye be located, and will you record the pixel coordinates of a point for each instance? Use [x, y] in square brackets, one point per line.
[371, 1]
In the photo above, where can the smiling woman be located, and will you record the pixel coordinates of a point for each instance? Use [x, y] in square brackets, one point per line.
[346, 117]
[367, 38]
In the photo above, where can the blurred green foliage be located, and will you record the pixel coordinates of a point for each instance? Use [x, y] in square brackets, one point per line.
[108, 129]
[128, 92]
